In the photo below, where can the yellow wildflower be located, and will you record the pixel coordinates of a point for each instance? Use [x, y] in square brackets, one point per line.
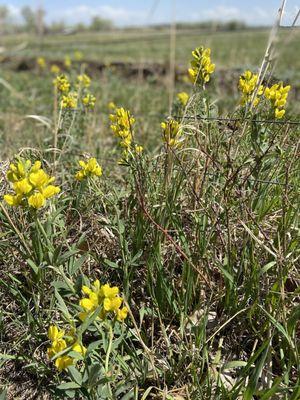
[183, 97]
[11, 200]
[67, 62]
[69, 101]
[62, 83]
[79, 348]
[138, 149]
[89, 100]
[54, 333]
[105, 296]
[122, 314]
[111, 105]
[30, 183]
[122, 126]
[41, 62]
[22, 187]
[247, 85]
[40, 178]
[201, 66]
[55, 69]
[50, 191]
[277, 95]
[36, 200]
[279, 113]
[84, 80]
[172, 133]
[59, 344]
[91, 168]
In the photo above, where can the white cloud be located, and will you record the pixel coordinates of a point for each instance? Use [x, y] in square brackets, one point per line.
[221, 13]
[84, 13]
[253, 16]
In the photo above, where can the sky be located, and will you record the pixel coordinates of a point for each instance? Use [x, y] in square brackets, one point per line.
[141, 12]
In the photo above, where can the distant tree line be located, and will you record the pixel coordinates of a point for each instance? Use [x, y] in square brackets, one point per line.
[232, 25]
[33, 21]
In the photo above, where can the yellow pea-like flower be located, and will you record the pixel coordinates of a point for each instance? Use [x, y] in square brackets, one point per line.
[12, 200]
[67, 62]
[41, 62]
[54, 333]
[64, 362]
[84, 80]
[112, 304]
[55, 69]
[36, 200]
[109, 292]
[183, 97]
[138, 149]
[22, 186]
[201, 66]
[62, 84]
[122, 314]
[91, 168]
[89, 101]
[79, 348]
[50, 191]
[279, 113]
[39, 178]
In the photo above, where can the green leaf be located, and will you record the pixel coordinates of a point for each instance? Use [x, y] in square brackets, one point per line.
[3, 394]
[33, 266]
[75, 375]
[251, 388]
[62, 305]
[267, 267]
[68, 385]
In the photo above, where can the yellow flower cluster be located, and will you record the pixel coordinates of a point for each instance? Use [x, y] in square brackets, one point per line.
[60, 342]
[201, 66]
[106, 297]
[69, 100]
[83, 80]
[32, 185]
[122, 126]
[41, 62]
[89, 100]
[172, 133]
[62, 83]
[278, 94]
[91, 168]
[183, 98]
[247, 85]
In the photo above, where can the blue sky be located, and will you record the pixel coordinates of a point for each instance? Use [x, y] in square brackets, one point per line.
[139, 12]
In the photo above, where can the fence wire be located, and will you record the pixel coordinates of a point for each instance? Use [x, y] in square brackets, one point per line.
[196, 117]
